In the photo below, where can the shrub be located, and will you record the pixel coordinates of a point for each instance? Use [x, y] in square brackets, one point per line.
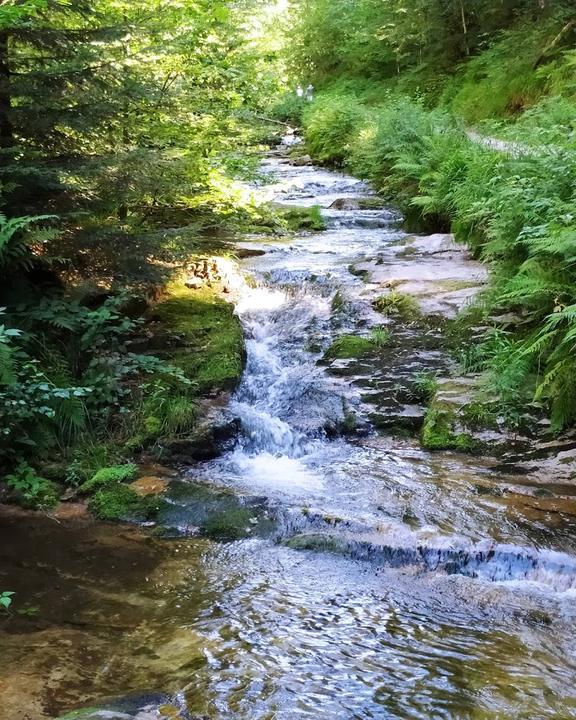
[331, 123]
[31, 490]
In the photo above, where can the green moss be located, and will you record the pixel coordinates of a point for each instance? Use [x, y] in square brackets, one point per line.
[212, 343]
[110, 476]
[120, 502]
[398, 305]
[232, 524]
[349, 346]
[438, 432]
[304, 218]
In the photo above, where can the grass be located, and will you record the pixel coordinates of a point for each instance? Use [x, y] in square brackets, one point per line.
[424, 387]
[398, 305]
[304, 218]
[380, 337]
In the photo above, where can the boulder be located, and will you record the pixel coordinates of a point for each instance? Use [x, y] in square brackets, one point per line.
[206, 442]
[301, 161]
[345, 204]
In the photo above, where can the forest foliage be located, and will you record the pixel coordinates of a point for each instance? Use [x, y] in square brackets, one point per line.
[126, 128]
[402, 84]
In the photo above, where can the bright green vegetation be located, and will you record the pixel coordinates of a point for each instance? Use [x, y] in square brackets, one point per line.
[277, 219]
[30, 489]
[399, 84]
[304, 219]
[424, 387]
[380, 337]
[127, 135]
[6, 599]
[398, 305]
[349, 346]
[484, 58]
[210, 335]
[354, 346]
[438, 432]
[110, 476]
[479, 414]
[112, 499]
[121, 502]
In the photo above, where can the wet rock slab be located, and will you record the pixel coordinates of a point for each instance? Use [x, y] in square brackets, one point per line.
[439, 273]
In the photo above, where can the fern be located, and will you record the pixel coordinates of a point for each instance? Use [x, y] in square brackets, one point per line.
[15, 244]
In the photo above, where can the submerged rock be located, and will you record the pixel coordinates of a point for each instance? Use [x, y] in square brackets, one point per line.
[149, 485]
[139, 707]
[197, 509]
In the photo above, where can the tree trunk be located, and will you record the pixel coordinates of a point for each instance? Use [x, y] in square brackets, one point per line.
[553, 44]
[6, 130]
[464, 27]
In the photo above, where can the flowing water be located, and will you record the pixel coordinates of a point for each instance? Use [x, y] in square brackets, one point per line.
[420, 597]
[395, 583]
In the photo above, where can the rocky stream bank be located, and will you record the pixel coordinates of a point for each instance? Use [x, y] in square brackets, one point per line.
[347, 529]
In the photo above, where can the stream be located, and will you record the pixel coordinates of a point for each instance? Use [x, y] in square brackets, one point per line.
[374, 580]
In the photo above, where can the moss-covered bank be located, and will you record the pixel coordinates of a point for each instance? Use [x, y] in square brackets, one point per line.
[207, 336]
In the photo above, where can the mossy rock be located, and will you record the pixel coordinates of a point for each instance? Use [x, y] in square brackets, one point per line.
[304, 218]
[316, 542]
[211, 350]
[439, 432]
[232, 524]
[349, 346]
[215, 512]
[109, 476]
[372, 203]
[121, 502]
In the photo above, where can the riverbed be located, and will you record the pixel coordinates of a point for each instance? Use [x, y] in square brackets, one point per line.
[374, 579]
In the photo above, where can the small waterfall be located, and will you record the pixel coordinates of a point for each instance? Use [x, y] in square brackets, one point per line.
[263, 432]
[397, 546]
[398, 512]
